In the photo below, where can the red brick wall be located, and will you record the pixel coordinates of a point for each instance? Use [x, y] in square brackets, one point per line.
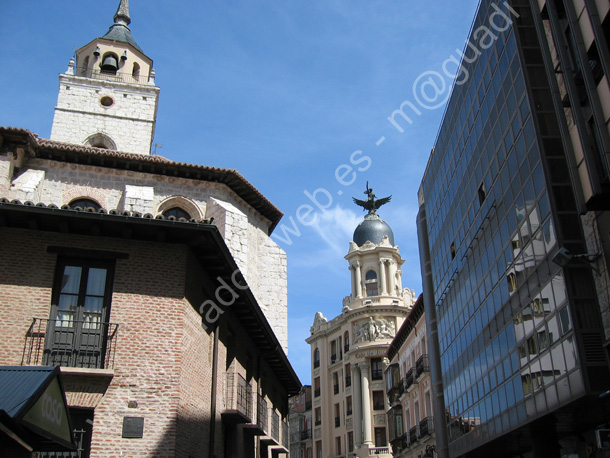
[163, 360]
[147, 303]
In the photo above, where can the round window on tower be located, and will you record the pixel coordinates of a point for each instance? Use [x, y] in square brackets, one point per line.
[107, 101]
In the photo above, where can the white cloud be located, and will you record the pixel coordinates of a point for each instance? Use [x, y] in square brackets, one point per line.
[336, 226]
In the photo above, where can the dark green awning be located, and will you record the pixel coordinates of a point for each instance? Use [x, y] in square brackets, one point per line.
[33, 407]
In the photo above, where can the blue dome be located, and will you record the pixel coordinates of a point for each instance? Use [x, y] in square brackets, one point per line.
[372, 229]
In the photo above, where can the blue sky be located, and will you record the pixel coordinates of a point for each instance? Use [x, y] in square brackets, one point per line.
[292, 94]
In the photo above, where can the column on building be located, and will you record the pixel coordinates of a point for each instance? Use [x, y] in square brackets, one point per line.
[357, 399]
[392, 277]
[358, 278]
[367, 439]
[383, 286]
[352, 271]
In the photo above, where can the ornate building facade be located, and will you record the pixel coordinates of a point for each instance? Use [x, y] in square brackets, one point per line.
[409, 388]
[348, 352]
[154, 285]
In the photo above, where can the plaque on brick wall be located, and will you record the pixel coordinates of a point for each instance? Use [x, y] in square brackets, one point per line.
[133, 427]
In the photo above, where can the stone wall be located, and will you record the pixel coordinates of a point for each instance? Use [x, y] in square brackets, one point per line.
[244, 230]
[129, 121]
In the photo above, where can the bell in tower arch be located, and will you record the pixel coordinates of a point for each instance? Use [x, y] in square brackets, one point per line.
[110, 64]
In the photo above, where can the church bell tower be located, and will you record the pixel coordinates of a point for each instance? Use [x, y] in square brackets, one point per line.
[108, 97]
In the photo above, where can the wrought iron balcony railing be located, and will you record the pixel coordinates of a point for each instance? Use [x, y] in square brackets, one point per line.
[70, 343]
[238, 395]
[426, 426]
[275, 426]
[409, 378]
[262, 413]
[406, 440]
[119, 77]
[414, 434]
[422, 365]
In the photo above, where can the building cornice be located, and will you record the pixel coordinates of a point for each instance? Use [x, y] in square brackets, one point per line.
[352, 315]
[202, 238]
[12, 138]
[407, 327]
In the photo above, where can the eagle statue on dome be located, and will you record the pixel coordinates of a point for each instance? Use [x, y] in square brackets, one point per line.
[370, 203]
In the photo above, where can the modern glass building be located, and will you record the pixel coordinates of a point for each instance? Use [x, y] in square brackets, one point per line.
[520, 332]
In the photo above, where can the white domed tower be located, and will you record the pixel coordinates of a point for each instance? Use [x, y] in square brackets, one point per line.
[348, 352]
[108, 98]
[374, 261]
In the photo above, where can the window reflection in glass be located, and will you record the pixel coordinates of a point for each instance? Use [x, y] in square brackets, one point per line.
[564, 318]
[569, 351]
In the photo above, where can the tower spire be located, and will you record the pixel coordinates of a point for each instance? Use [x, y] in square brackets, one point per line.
[122, 13]
[119, 31]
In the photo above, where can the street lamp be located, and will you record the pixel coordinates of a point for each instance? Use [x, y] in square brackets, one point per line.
[563, 257]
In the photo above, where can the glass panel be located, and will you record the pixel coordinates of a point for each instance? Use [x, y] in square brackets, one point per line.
[71, 279]
[68, 298]
[559, 288]
[67, 302]
[96, 282]
[564, 318]
[92, 315]
[553, 333]
[570, 353]
[66, 310]
[559, 362]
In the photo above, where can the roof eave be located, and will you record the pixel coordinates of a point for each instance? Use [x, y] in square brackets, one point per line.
[248, 311]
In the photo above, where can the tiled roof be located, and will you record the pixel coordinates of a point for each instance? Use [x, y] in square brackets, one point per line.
[122, 34]
[69, 152]
[203, 238]
[4, 200]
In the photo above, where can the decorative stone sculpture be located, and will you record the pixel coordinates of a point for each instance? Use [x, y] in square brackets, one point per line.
[318, 321]
[373, 330]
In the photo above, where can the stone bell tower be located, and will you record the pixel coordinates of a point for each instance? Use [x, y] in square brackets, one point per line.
[107, 97]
